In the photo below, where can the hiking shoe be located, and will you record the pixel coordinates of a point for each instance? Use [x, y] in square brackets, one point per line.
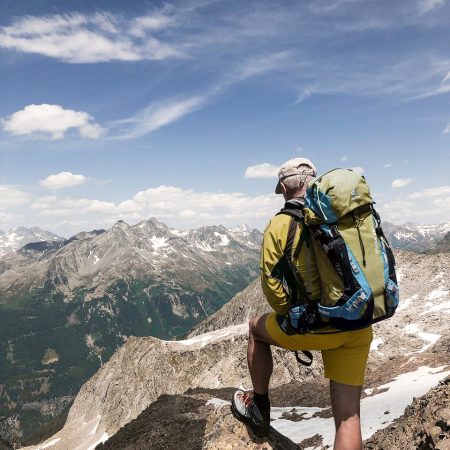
[245, 410]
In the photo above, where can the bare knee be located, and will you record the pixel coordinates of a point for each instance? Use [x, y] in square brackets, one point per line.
[252, 325]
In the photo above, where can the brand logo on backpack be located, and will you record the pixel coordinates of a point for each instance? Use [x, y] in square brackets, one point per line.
[354, 194]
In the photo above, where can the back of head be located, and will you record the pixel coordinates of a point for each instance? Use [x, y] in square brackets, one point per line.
[295, 175]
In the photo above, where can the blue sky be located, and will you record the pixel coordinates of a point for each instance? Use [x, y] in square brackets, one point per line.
[184, 110]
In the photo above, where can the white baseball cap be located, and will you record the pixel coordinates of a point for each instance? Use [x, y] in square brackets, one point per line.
[293, 167]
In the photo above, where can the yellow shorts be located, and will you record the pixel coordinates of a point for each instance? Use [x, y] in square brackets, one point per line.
[344, 354]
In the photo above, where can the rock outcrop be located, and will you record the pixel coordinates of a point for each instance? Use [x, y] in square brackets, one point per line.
[199, 421]
[425, 425]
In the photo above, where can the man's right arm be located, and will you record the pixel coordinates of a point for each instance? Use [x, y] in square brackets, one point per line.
[272, 250]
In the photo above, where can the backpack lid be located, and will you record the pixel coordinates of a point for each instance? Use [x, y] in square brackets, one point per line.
[334, 194]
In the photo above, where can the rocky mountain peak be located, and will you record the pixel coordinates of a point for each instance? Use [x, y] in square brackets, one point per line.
[120, 225]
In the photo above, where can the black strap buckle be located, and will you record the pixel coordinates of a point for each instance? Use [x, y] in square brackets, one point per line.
[303, 362]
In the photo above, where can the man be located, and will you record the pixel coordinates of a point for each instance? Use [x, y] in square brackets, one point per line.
[344, 353]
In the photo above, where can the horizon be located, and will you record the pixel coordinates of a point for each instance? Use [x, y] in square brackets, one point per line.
[232, 227]
[185, 110]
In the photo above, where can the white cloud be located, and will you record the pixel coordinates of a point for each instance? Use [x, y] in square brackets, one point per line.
[405, 209]
[264, 170]
[344, 158]
[78, 38]
[52, 205]
[12, 197]
[176, 206]
[425, 6]
[401, 182]
[431, 192]
[50, 121]
[62, 180]
[446, 129]
[387, 166]
[359, 170]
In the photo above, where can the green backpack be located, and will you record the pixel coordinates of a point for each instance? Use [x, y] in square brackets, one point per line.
[355, 262]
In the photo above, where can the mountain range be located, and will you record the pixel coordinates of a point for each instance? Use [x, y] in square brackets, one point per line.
[66, 306]
[415, 238]
[408, 236]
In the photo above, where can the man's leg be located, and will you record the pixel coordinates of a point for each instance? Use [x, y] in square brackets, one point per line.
[259, 354]
[345, 402]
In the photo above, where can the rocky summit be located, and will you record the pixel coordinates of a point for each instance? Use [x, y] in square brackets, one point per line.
[184, 380]
[66, 307]
[16, 238]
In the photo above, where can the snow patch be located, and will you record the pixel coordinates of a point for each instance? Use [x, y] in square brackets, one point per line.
[49, 444]
[103, 438]
[400, 393]
[405, 303]
[413, 328]
[204, 247]
[441, 307]
[223, 238]
[437, 293]
[158, 243]
[179, 233]
[375, 344]
[214, 335]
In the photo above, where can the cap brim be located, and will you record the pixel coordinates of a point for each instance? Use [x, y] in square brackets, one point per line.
[278, 188]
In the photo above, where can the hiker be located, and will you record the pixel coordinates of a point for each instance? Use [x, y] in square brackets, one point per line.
[344, 353]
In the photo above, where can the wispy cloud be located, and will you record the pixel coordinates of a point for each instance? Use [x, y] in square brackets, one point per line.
[155, 116]
[101, 37]
[446, 130]
[264, 170]
[163, 113]
[387, 166]
[62, 180]
[257, 66]
[51, 121]
[425, 6]
[401, 182]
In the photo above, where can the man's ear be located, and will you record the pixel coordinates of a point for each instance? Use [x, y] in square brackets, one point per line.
[283, 189]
